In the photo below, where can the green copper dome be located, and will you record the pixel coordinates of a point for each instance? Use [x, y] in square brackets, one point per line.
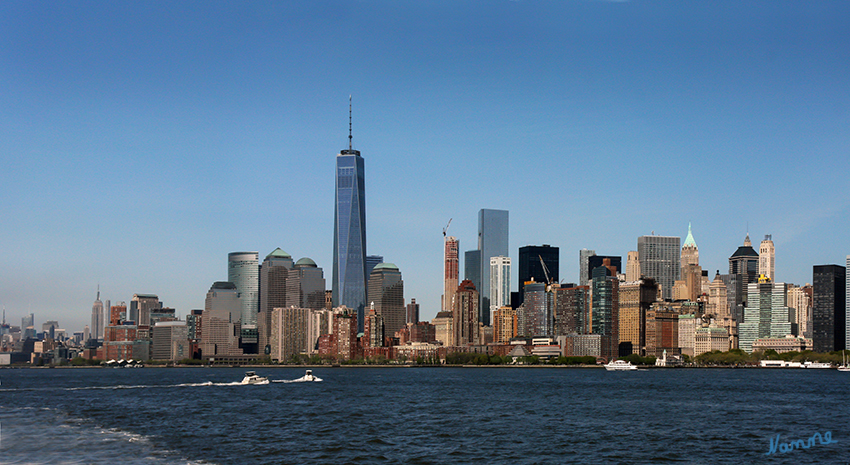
[278, 253]
[305, 262]
[385, 266]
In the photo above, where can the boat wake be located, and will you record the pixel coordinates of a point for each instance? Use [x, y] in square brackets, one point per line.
[299, 380]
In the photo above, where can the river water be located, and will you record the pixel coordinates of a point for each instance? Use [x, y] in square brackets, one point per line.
[422, 415]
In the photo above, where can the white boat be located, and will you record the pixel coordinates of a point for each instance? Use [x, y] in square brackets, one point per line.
[308, 376]
[843, 366]
[620, 365]
[816, 365]
[253, 378]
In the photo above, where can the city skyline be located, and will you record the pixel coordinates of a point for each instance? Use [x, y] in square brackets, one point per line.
[143, 160]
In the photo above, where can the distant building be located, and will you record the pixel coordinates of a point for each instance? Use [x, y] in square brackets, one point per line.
[450, 271]
[766, 315]
[412, 312]
[273, 275]
[371, 262]
[583, 265]
[828, 308]
[767, 257]
[373, 328]
[571, 309]
[289, 333]
[581, 345]
[632, 267]
[745, 263]
[635, 299]
[170, 341]
[141, 306]
[662, 330]
[500, 283]
[535, 313]
[444, 328]
[782, 344]
[688, 325]
[659, 258]
[799, 301]
[97, 318]
[492, 242]
[709, 339]
[243, 270]
[529, 267]
[605, 319]
[465, 315]
[504, 325]
[305, 285]
[386, 291]
[220, 319]
[472, 268]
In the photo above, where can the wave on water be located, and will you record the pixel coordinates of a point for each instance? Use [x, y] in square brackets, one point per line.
[299, 380]
[128, 386]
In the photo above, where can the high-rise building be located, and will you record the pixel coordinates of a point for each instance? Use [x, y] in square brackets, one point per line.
[371, 262]
[720, 308]
[635, 299]
[529, 266]
[605, 319]
[289, 335]
[170, 341]
[690, 275]
[305, 285]
[659, 259]
[141, 306]
[243, 270]
[632, 267]
[500, 283]
[28, 321]
[767, 257]
[571, 309]
[828, 308]
[273, 274]
[595, 261]
[373, 328]
[349, 267]
[534, 314]
[220, 320]
[450, 271]
[584, 273]
[690, 252]
[504, 325]
[386, 291]
[745, 262]
[800, 302]
[472, 268]
[465, 315]
[492, 242]
[97, 317]
[766, 314]
[412, 312]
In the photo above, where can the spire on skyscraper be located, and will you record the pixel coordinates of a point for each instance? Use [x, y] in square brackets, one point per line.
[349, 122]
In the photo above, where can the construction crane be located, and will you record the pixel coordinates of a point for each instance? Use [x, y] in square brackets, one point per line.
[545, 272]
[447, 227]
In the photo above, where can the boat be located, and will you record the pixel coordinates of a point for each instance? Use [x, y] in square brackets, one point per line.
[620, 365]
[308, 376]
[253, 378]
[816, 365]
[844, 366]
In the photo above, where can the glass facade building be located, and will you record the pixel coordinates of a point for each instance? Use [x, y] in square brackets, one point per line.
[529, 266]
[243, 270]
[659, 259]
[349, 267]
[828, 311]
[492, 242]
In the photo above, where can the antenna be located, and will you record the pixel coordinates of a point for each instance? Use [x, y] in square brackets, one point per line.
[349, 121]
[98, 291]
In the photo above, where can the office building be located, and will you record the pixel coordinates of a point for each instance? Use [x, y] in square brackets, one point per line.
[221, 321]
[97, 318]
[534, 314]
[472, 268]
[141, 306]
[596, 261]
[571, 309]
[659, 259]
[828, 308]
[500, 283]
[635, 299]
[412, 312]
[371, 262]
[289, 333]
[373, 328]
[745, 263]
[386, 292]
[465, 315]
[349, 267]
[504, 325]
[605, 307]
[450, 271]
[305, 285]
[444, 328]
[529, 266]
[767, 257]
[170, 341]
[632, 267]
[662, 330]
[273, 274]
[583, 266]
[243, 270]
[492, 242]
[766, 314]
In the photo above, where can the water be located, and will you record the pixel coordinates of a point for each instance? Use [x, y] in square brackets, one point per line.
[420, 415]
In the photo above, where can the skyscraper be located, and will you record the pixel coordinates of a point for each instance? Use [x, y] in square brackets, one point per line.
[659, 259]
[828, 312]
[500, 283]
[450, 273]
[273, 273]
[492, 242]
[745, 262]
[766, 315]
[465, 315]
[413, 312]
[472, 267]
[97, 317]
[349, 267]
[243, 270]
[583, 273]
[529, 266]
[371, 262]
[632, 267]
[691, 272]
[386, 292]
[305, 285]
[767, 257]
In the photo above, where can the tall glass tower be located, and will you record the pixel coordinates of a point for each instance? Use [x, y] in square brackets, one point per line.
[349, 272]
[492, 242]
[243, 270]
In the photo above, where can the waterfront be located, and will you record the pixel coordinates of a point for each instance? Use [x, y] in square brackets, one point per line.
[425, 415]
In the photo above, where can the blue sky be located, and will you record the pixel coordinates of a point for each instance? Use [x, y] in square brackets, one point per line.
[143, 141]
